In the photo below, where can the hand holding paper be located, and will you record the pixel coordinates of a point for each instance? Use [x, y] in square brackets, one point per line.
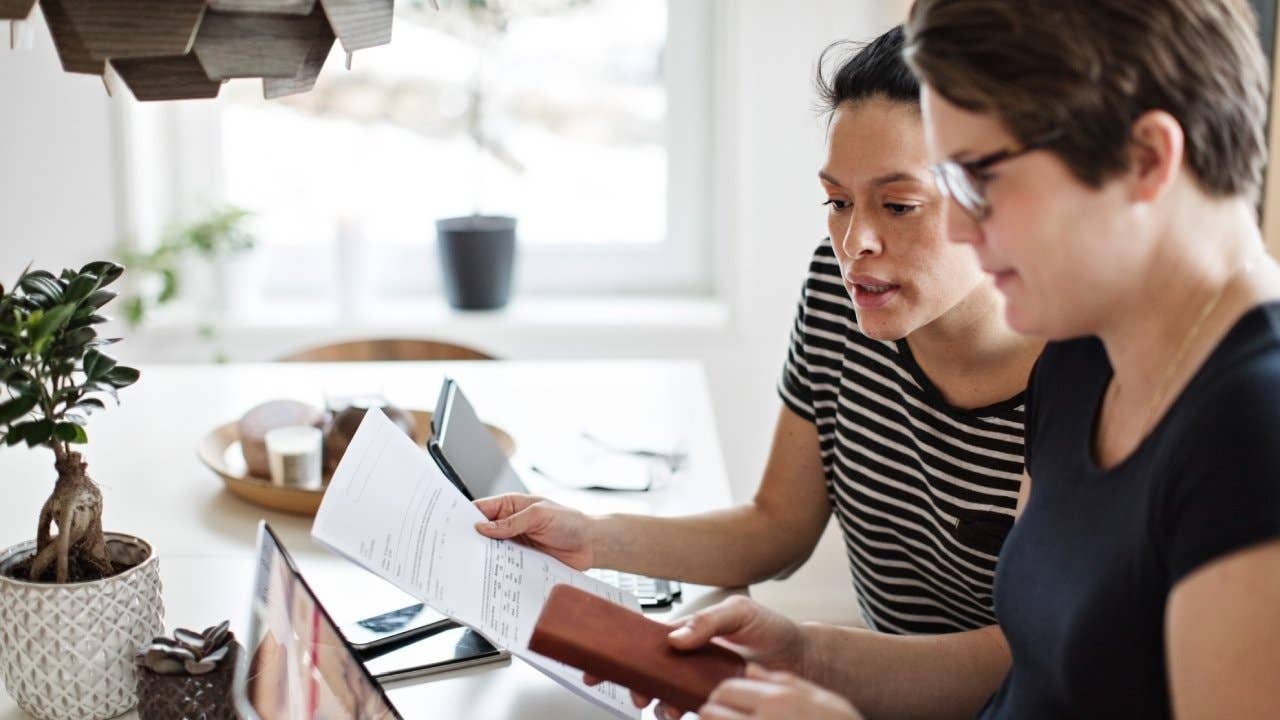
[391, 510]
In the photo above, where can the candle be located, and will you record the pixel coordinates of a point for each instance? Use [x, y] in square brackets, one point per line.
[293, 453]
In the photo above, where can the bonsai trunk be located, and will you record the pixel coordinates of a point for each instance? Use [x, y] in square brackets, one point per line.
[76, 508]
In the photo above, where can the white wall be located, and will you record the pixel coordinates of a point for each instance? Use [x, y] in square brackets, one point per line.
[56, 166]
[58, 208]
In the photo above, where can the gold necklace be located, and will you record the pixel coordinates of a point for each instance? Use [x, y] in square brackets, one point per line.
[1185, 347]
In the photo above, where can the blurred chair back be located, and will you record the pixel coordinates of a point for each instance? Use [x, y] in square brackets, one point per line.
[387, 349]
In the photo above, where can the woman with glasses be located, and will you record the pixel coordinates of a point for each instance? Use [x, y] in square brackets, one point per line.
[1103, 160]
[902, 389]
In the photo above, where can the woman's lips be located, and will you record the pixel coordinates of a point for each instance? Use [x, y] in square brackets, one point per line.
[870, 293]
[1002, 278]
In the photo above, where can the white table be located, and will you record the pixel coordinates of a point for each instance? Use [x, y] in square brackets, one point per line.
[142, 454]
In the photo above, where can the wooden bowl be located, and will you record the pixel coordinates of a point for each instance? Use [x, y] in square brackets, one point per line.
[220, 452]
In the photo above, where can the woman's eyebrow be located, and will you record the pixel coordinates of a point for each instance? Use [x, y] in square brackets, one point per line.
[893, 177]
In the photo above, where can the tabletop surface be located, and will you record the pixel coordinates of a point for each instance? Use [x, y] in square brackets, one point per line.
[143, 455]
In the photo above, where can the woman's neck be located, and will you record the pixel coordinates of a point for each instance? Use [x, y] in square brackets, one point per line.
[1207, 267]
[1202, 275]
[971, 354]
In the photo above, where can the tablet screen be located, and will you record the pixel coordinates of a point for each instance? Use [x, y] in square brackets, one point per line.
[472, 451]
[298, 665]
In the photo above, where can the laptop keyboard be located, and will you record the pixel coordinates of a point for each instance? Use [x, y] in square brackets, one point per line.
[651, 592]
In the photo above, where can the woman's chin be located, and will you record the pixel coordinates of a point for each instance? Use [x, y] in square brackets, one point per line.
[881, 326]
[1022, 321]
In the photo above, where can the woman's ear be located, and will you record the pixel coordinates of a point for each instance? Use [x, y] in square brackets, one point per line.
[1156, 144]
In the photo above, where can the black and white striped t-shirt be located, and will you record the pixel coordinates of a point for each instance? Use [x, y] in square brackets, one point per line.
[924, 492]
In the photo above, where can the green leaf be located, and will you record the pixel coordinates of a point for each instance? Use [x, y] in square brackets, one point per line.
[122, 376]
[91, 359]
[169, 285]
[80, 288]
[98, 299]
[89, 405]
[68, 394]
[16, 435]
[97, 365]
[38, 432]
[52, 321]
[109, 272]
[21, 383]
[43, 284]
[70, 432]
[17, 408]
[103, 386]
[135, 310]
[75, 340]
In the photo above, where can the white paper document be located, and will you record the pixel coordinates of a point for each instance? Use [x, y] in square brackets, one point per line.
[391, 510]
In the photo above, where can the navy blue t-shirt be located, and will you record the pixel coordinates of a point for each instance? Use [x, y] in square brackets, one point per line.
[1085, 574]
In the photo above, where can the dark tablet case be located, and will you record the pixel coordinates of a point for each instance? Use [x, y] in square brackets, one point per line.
[616, 644]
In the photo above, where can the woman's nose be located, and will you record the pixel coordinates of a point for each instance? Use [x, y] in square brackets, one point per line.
[860, 239]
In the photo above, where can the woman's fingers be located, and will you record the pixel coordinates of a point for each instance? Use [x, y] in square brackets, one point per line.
[742, 694]
[758, 672]
[666, 712]
[500, 506]
[518, 523]
[720, 712]
[721, 619]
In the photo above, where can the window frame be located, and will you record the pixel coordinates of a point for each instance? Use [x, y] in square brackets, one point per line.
[171, 159]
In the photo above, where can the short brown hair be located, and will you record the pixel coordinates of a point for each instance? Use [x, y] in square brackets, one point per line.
[1088, 70]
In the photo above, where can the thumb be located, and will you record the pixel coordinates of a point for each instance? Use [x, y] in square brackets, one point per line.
[510, 526]
[724, 618]
[500, 506]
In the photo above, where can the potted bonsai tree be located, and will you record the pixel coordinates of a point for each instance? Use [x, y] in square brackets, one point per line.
[75, 604]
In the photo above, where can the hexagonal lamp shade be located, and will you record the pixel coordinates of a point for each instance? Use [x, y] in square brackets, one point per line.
[183, 49]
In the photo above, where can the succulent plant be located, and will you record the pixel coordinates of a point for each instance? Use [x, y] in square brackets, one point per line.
[188, 652]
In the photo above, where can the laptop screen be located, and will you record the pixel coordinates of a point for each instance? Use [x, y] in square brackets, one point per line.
[297, 666]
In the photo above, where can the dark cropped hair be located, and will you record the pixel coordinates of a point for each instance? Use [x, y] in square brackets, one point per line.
[1087, 70]
[874, 69]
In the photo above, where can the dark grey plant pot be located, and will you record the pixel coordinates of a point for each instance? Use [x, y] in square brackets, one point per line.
[477, 258]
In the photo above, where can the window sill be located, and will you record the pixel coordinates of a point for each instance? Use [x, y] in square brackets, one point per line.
[695, 314]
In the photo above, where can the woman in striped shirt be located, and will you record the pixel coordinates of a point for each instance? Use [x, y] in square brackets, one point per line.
[902, 391]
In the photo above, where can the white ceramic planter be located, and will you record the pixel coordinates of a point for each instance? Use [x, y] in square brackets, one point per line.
[66, 651]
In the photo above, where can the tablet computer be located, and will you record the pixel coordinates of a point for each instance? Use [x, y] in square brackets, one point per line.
[296, 663]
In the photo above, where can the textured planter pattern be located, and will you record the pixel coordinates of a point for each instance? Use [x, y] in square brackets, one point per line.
[66, 651]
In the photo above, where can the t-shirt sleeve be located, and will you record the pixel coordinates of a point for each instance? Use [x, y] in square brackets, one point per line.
[1225, 497]
[1033, 400]
[795, 385]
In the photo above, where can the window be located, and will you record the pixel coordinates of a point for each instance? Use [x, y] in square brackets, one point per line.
[588, 120]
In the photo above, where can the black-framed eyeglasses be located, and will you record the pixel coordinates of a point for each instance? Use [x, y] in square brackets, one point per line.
[963, 181]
